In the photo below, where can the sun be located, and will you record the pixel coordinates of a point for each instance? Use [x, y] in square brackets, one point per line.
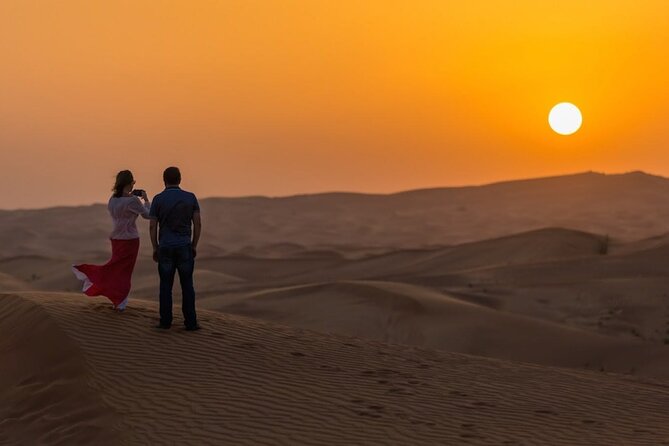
[565, 118]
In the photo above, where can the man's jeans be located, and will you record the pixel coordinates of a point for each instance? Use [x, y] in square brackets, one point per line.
[171, 260]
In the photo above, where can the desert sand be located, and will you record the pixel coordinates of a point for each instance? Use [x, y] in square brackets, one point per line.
[85, 375]
[627, 207]
[526, 312]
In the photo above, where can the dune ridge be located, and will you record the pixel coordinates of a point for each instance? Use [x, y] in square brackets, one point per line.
[413, 315]
[549, 296]
[241, 381]
[627, 207]
[43, 383]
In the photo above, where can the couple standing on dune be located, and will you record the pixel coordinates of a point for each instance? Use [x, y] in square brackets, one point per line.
[175, 228]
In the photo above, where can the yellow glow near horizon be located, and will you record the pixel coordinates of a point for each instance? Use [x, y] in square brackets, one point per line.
[290, 96]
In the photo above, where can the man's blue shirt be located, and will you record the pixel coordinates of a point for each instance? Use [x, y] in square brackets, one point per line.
[173, 208]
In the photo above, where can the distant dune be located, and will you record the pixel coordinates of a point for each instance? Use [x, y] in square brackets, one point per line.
[519, 249]
[551, 296]
[408, 314]
[83, 374]
[626, 207]
[10, 283]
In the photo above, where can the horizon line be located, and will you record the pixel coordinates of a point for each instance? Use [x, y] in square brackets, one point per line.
[343, 192]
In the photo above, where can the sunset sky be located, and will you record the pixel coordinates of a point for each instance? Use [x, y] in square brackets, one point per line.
[283, 97]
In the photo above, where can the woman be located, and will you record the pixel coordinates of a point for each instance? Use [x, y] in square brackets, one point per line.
[113, 278]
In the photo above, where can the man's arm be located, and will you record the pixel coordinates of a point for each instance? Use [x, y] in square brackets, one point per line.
[197, 230]
[153, 230]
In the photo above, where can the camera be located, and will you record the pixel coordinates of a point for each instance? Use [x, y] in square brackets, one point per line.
[138, 192]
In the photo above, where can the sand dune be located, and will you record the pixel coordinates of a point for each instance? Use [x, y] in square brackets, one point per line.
[43, 273]
[627, 207]
[407, 314]
[487, 271]
[11, 283]
[650, 243]
[630, 206]
[240, 381]
[31, 268]
[45, 399]
[147, 284]
[535, 295]
[263, 269]
[542, 245]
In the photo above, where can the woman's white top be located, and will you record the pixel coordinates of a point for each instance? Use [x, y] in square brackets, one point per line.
[124, 212]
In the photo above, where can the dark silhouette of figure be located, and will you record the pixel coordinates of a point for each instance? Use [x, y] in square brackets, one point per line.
[175, 231]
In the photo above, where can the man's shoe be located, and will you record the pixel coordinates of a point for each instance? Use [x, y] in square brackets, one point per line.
[193, 327]
[163, 326]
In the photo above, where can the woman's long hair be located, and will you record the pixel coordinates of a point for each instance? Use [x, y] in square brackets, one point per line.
[123, 179]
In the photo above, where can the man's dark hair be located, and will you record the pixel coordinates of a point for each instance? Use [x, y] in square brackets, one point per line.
[172, 175]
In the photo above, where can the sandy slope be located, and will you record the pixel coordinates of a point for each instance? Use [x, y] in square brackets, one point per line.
[409, 314]
[11, 283]
[547, 296]
[240, 381]
[43, 383]
[547, 244]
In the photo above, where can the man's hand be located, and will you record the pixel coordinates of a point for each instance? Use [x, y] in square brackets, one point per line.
[197, 229]
[153, 232]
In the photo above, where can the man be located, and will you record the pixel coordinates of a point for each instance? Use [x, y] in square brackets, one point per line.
[174, 211]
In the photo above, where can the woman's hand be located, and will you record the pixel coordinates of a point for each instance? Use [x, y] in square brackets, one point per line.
[145, 197]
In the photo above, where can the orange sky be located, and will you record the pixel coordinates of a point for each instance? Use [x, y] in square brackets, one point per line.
[281, 97]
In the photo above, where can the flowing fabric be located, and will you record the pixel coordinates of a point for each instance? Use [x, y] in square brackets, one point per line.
[112, 279]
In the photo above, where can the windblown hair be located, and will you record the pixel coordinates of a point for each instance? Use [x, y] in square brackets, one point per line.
[123, 179]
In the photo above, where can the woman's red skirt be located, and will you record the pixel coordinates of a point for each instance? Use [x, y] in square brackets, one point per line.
[112, 279]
